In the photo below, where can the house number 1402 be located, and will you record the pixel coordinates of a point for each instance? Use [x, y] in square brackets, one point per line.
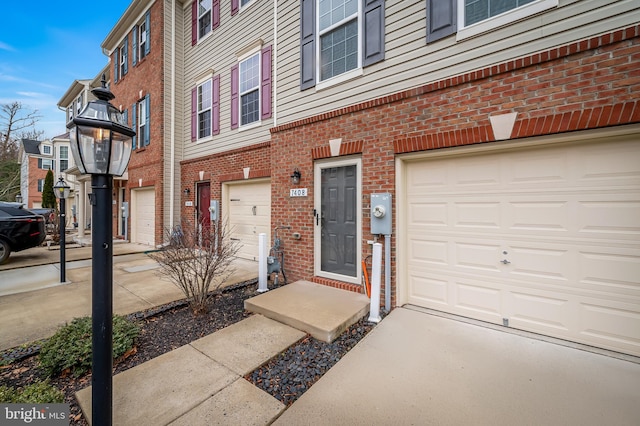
[298, 192]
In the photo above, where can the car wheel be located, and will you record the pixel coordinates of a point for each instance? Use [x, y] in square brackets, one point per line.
[5, 251]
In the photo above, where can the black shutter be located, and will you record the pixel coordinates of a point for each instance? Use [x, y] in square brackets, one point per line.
[441, 19]
[307, 44]
[373, 43]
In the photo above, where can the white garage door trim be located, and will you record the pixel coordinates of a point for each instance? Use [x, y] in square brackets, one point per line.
[242, 223]
[503, 291]
[143, 216]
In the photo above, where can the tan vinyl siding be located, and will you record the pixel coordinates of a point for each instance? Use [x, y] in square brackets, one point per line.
[411, 62]
[168, 119]
[218, 52]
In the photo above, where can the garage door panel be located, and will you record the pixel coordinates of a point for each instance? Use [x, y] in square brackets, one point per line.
[547, 238]
[249, 211]
[605, 324]
[143, 216]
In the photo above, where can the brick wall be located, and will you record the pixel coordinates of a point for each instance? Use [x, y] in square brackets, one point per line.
[146, 76]
[586, 85]
[218, 169]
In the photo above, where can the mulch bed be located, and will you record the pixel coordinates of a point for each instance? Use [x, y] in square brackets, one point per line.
[168, 327]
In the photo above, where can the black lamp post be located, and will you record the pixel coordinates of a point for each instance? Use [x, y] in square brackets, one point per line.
[61, 190]
[101, 147]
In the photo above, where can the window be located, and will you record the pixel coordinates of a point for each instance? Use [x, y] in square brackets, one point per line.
[141, 43]
[45, 163]
[140, 118]
[251, 88]
[205, 109]
[467, 18]
[79, 103]
[340, 37]
[40, 185]
[338, 25]
[46, 149]
[64, 158]
[205, 17]
[120, 66]
[70, 113]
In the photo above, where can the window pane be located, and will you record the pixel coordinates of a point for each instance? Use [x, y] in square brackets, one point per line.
[479, 10]
[204, 124]
[64, 152]
[204, 96]
[249, 73]
[331, 12]
[339, 50]
[250, 107]
[64, 165]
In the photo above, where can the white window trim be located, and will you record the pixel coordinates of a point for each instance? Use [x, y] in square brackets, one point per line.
[210, 136]
[331, 28]
[246, 6]
[254, 51]
[140, 118]
[500, 20]
[140, 48]
[121, 60]
[46, 148]
[198, 21]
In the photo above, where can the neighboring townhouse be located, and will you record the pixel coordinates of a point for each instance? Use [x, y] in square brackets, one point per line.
[73, 102]
[37, 158]
[506, 133]
[227, 112]
[143, 58]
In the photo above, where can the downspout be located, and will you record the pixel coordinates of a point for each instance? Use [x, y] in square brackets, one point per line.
[275, 63]
[172, 137]
[387, 273]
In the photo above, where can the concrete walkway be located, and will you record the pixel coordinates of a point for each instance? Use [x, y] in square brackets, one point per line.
[33, 302]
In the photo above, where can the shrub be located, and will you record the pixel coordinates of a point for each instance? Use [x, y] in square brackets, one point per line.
[198, 259]
[70, 348]
[35, 393]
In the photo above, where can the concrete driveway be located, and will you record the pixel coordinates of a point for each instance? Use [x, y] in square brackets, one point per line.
[415, 368]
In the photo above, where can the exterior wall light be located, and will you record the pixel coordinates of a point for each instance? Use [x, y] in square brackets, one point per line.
[295, 176]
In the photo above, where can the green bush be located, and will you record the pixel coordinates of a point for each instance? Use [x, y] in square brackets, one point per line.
[70, 348]
[35, 393]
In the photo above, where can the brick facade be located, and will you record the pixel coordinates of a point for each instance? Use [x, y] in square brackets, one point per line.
[218, 169]
[590, 84]
[146, 77]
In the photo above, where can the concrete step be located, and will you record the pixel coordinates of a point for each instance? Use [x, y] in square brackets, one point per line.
[323, 312]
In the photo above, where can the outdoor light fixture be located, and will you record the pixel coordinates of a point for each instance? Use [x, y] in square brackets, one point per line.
[187, 191]
[61, 191]
[295, 176]
[18, 198]
[101, 147]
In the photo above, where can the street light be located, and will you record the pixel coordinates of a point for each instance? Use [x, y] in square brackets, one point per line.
[101, 146]
[19, 198]
[61, 190]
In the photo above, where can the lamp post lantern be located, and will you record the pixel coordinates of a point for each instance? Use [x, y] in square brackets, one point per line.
[101, 146]
[61, 191]
[19, 198]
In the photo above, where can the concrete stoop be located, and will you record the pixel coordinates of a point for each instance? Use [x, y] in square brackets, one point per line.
[323, 312]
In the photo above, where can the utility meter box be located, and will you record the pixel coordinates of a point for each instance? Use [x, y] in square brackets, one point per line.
[213, 210]
[381, 214]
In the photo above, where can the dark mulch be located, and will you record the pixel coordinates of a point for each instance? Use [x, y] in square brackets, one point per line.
[168, 327]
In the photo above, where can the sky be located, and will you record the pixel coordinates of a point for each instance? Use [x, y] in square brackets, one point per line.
[47, 44]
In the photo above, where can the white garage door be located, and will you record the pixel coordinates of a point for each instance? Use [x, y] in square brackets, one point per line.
[249, 212]
[543, 239]
[143, 220]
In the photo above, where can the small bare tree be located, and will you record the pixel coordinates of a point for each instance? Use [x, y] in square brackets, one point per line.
[198, 259]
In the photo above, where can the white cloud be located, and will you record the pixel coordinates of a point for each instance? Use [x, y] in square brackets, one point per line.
[5, 46]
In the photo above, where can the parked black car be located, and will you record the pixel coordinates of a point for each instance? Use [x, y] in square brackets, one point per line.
[20, 229]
